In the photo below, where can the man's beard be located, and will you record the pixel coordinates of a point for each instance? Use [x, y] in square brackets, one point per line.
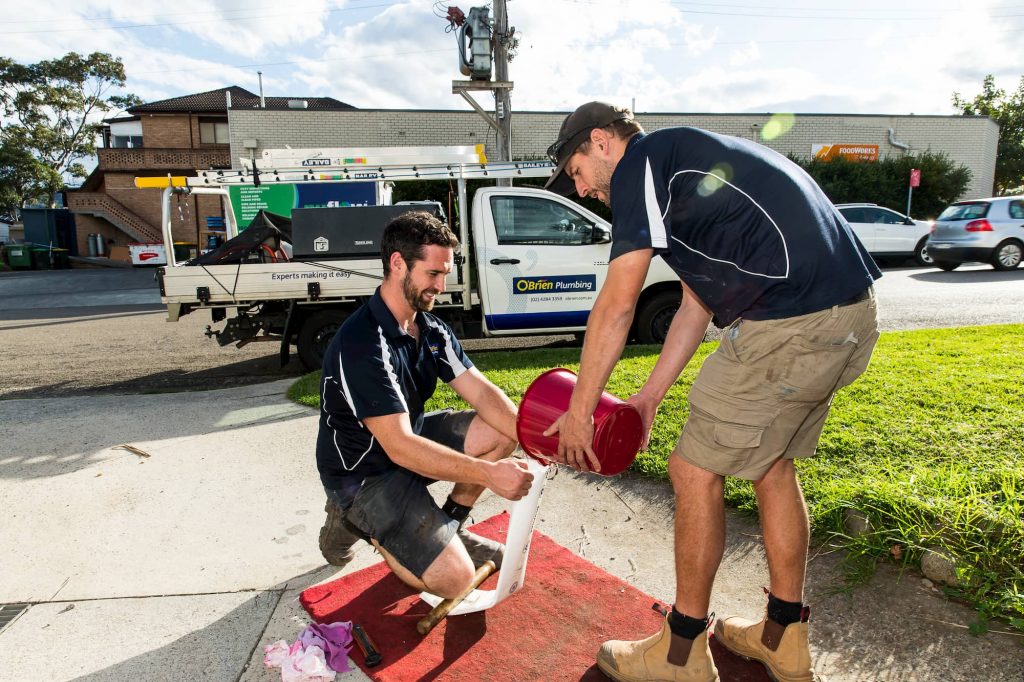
[415, 298]
[603, 180]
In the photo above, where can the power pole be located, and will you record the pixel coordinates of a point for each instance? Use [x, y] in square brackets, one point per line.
[499, 36]
[502, 96]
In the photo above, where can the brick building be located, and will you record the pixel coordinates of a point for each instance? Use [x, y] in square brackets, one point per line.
[174, 136]
[968, 140]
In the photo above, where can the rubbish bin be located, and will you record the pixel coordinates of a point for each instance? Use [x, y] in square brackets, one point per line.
[61, 259]
[19, 256]
[184, 251]
[41, 258]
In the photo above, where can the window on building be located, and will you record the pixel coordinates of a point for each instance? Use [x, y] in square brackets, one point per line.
[213, 132]
[126, 141]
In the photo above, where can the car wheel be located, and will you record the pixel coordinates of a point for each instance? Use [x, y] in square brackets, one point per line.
[921, 254]
[656, 316]
[1007, 255]
[946, 265]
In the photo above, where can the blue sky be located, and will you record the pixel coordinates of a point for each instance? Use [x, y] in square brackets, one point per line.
[666, 56]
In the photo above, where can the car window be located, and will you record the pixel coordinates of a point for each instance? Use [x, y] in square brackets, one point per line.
[882, 216]
[532, 220]
[970, 211]
[1016, 209]
[853, 215]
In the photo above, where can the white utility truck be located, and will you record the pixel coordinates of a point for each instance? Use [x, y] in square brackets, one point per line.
[531, 261]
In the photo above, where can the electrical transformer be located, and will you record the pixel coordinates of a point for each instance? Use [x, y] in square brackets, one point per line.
[475, 44]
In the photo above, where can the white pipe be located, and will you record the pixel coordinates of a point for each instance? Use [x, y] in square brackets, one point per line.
[263, 101]
[894, 143]
[165, 221]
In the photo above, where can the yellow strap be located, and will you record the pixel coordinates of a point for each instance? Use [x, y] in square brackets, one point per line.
[160, 182]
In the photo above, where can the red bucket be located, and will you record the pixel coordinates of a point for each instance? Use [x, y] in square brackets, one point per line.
[618, 428]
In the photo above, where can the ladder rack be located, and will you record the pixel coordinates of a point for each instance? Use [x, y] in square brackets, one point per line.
[356, 173]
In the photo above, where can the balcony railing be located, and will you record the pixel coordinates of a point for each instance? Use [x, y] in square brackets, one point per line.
[153, 158]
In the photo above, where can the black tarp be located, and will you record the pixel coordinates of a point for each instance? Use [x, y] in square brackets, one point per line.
[265, 228]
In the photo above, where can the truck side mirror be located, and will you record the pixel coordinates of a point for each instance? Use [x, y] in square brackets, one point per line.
[600, 235]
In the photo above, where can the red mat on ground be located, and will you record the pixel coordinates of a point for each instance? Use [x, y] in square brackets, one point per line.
[550, 630]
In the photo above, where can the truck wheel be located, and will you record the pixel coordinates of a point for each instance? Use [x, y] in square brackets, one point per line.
[656, 316]
[316, 334]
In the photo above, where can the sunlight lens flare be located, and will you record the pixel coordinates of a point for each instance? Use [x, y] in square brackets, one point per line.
[777, 126]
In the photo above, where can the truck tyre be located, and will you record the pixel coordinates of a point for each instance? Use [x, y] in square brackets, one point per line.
[656, 316]
[316, 334]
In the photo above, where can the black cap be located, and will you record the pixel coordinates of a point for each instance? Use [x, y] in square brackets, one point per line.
[575, 131]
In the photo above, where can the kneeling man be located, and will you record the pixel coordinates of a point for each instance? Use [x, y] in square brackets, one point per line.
[377, 450]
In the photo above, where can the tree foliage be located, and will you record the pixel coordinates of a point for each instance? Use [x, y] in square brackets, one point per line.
[886, 182]
[1008, 112]
[53, 111]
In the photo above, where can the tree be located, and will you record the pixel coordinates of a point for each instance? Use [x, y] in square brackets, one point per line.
[54, 111]
[1008, 112]
[885, 182]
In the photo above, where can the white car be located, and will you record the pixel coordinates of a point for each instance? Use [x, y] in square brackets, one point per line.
[888, 234]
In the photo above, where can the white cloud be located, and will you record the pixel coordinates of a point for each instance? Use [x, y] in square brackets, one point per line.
[570, 52]
[745, 55]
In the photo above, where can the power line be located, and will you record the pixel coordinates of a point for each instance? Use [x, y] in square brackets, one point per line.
[221, 67]
[155, 16]
[189, 23]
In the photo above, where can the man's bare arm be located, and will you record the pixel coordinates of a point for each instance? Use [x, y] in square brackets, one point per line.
[493, 406]
[433, 460]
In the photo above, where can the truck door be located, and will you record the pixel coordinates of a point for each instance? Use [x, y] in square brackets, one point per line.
[542, 260]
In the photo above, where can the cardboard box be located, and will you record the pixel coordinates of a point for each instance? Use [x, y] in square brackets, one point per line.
[120, 253]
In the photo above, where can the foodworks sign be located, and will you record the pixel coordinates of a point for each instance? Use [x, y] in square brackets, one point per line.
[851, 152]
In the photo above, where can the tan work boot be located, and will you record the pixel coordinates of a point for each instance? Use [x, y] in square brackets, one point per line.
[647, 660]
[784, 651]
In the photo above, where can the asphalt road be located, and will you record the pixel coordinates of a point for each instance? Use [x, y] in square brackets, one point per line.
[88, 331]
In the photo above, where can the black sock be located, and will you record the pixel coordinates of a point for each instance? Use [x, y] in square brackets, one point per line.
[684, 626]
[785, 612]
[459, 512]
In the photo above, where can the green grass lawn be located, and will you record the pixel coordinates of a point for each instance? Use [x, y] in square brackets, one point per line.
[928, 444]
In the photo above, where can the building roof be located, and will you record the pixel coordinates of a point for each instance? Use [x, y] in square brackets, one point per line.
[215, 102]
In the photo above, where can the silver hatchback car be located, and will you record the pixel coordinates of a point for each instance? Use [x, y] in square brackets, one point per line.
[987, 230]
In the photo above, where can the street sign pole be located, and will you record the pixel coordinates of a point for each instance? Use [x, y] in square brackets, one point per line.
[915, 181]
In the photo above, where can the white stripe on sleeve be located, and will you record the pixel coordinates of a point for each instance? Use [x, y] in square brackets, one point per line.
[385, 354]
[656, 224]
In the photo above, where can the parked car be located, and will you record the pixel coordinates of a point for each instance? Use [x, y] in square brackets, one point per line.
[886, 233]
[987, 230]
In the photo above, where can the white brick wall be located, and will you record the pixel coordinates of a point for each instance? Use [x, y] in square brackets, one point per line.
[970, 141]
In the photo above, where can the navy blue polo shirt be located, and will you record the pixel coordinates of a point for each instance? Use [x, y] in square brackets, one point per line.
[374, 368]
[743, 226]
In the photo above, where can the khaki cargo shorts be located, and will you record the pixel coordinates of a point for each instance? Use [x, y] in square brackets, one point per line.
[765, 392]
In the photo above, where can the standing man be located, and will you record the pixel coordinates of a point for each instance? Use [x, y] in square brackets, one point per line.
[377, 451]
[761, 251]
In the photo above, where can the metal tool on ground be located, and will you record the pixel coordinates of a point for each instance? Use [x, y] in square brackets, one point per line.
[370, 653]
[437, 613]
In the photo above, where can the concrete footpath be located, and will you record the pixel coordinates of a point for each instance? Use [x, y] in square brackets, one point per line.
[182, 565]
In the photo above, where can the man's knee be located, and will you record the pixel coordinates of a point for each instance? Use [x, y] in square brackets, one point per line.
[451, 573]
[505, 447]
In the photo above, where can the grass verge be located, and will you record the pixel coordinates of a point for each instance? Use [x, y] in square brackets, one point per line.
[928, 445]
